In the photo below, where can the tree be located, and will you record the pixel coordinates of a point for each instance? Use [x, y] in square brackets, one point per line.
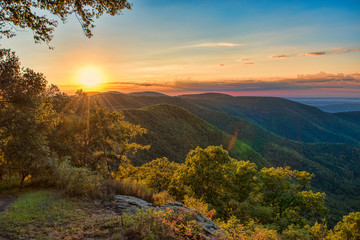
[207, 175]
[26, 116]
[288, 193]
[25, 15]
[92, 135]
[349, 228]
[158, 173]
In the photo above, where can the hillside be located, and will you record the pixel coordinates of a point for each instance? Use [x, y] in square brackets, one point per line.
[147, 93]
[286, 118]
[173, 131]
[353, 117]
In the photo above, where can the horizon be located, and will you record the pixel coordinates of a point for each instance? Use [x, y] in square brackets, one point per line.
[282, 49]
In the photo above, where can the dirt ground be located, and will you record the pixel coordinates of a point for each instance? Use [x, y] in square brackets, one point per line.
[6, 201]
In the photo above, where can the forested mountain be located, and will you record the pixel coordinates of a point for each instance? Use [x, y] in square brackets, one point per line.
[173, 131]
[353, 117]
[286, 118]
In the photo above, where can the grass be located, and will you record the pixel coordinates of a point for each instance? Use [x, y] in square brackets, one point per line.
[35, 210]
[44, 214]
[37, 206]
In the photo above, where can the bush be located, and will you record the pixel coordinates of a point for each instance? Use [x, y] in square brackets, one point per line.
[146, 225]
[234, 229]
[162, 198]
[199, 205]
[128, 188]
[78, 182]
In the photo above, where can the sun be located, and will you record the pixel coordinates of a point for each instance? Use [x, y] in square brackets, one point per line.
[90, 77]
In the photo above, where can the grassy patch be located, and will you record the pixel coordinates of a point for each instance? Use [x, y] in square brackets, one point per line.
[35, 211]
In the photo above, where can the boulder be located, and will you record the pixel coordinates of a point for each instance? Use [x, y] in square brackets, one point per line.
[128, 204]
[208, 225]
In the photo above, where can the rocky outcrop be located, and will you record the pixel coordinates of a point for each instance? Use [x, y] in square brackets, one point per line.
[127, 204]
[208, 226]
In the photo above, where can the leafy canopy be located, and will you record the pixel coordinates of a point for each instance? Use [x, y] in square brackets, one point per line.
[25, 14]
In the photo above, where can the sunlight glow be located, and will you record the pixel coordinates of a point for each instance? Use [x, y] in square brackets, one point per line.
[90, 77]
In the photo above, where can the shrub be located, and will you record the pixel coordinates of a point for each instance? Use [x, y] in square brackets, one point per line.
[199, 205]
[234, 229]
[129, 188]
[78, 182]
[162, 197]
[146, 225]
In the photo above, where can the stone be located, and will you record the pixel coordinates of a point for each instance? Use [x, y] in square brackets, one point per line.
[128, 204]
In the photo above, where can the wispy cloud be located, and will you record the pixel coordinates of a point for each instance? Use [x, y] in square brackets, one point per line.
[301, 83]
[218, 44]
[319, 53]
[249, 63]
[315, 53]
[280, 56]
[340, 51]
[320, 83]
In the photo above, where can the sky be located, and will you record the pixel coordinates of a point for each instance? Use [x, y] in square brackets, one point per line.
[261, 48]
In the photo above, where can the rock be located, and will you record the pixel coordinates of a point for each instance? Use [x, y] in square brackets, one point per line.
[208, 226]
[129, 204]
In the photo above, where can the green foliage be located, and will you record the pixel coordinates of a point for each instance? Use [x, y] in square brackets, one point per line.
[278, 197]
[93, 136]
[158, 173]
[318, 231]
[206, 174]
[284, 117]
[235, 229]
[199, 205]
[336, 166]
[348, 228]
[162, 198]
[26, 117]
[295, 233]
[187, 131]
[78, 182]
[129, 188]
[25, 15]
[146, 225]
[287, 192]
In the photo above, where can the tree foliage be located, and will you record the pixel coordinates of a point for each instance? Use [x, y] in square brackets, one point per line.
[26, 117]
[349, 228]
[40, 126]
[93, 136]
[25, 15]
[277, 196]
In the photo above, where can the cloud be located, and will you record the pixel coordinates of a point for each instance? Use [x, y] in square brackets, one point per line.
[333, 51]
[302, 82]
[218, 44]
[221, 64]
[340, 51]
[315, 84]
[249, 63]
[316, 53]
[280, 56]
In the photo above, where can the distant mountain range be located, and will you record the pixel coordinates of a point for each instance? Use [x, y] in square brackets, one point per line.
[267, 131]
[332, 105]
